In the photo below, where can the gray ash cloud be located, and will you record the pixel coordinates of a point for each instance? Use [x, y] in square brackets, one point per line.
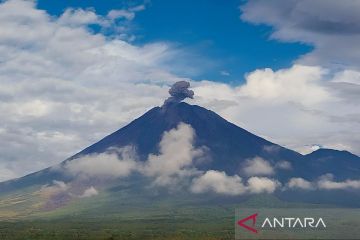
[178, 92]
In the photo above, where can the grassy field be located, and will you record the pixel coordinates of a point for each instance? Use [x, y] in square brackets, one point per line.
[118, 229]
[182, 223]
[126, 214]
[113, 215]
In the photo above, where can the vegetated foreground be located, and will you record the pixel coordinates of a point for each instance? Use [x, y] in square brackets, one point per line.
[110, 218]
[189, 224]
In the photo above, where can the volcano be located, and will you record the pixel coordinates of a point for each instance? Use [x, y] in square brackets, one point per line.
[227, 146]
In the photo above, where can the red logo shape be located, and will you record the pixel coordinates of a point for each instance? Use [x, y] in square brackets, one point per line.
[242, 223]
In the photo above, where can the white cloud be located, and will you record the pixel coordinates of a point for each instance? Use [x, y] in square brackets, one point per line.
[115, 163]
[221, 183]
[299, 84]
[300, 183]
[175, 158]
[327, 182]
[218, 182]
[121, 13]
[257, 166]
[76, 17]
[128, 14]
[324, 182]
[89, 192]
[262, 185]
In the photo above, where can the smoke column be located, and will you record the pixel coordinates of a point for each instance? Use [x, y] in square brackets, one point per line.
[178, 92]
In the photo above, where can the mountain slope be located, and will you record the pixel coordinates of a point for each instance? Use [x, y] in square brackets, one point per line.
[342, 163]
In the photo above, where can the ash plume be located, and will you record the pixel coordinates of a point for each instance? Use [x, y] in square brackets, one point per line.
[178, 92]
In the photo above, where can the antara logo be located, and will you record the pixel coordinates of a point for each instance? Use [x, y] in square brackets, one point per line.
[282, 222]
[251, 217]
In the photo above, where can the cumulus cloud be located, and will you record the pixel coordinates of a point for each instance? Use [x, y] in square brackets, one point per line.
[89, 192]
[221, 183]
[218, 182]
[300, 183]
[257, 166]
[262, 185]
[325, 182]
[78, 17]
[299, 84]
[112, 164]
[176, 156]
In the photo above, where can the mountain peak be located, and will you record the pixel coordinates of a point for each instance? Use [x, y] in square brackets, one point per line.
[329, 151]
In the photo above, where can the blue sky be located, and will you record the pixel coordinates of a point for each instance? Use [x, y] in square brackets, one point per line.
[219, 41]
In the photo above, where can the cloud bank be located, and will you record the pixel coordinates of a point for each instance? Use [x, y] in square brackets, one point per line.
[325, 182]
[174, 168]
[111, 164]
[220, 183]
